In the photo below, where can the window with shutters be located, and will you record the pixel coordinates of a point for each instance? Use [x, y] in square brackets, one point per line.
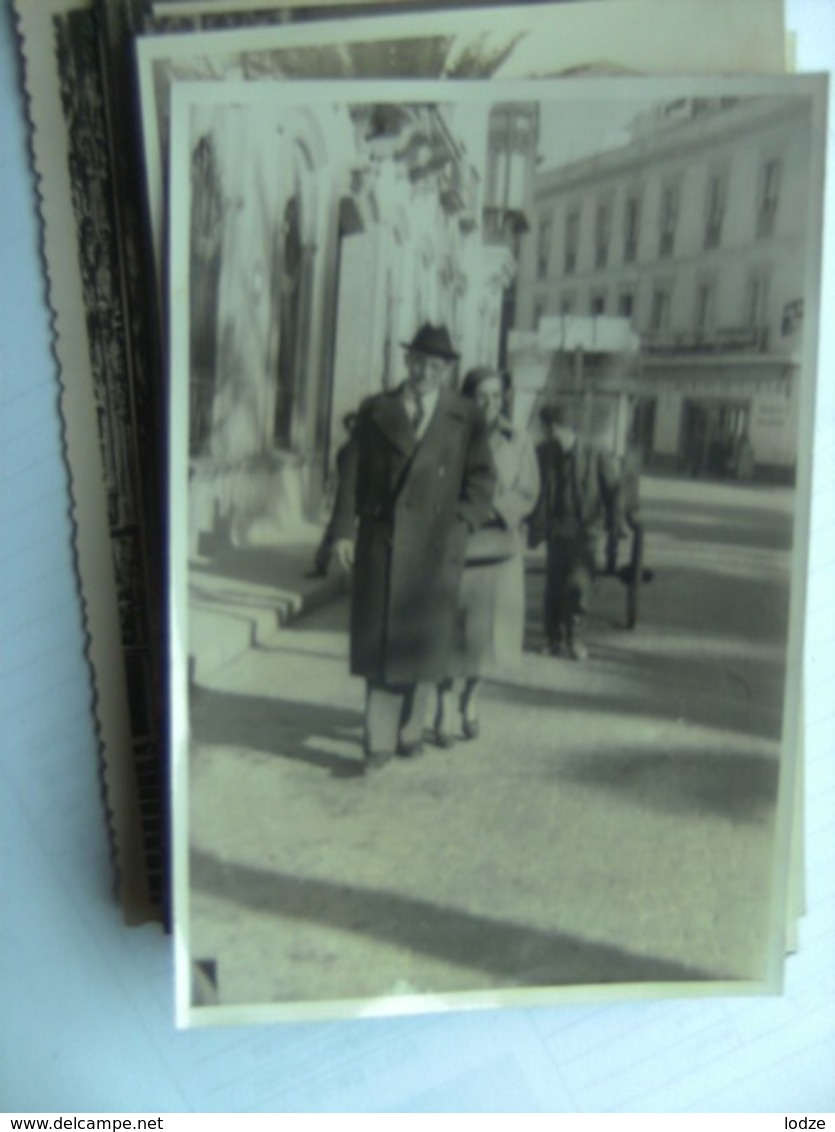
[631, 227]
[768, 196]
[572, 241]
[668, 218]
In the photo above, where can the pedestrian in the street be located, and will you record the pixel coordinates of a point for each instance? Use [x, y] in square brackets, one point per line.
[490, 620]
[578, 487]
[418, 481]
[322, 557]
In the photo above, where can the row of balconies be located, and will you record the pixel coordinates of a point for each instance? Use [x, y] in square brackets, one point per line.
[735, 339]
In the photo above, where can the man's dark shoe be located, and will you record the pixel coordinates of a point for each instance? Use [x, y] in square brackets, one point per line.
[374, 760]
[411, 750]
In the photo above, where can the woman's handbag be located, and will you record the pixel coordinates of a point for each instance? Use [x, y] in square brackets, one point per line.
[490, 543]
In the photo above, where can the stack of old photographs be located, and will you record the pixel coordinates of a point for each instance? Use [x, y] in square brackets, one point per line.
[499, 702]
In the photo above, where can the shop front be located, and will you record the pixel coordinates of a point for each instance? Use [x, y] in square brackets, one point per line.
[728, 418]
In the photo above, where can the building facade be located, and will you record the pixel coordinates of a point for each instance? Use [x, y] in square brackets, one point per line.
[695, 231]
[321, 239]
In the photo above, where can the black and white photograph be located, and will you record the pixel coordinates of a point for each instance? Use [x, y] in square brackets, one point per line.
[102, 269]
[521, 41]
[490, 451]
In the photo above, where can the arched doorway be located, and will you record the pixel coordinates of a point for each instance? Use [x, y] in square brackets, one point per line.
[292, 254]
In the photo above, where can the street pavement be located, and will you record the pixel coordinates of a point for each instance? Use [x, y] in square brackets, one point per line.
[614, 823]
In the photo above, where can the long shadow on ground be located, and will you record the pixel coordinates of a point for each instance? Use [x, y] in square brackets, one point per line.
[653, 692]
[509, 953]
[284, 728]
[689, 780]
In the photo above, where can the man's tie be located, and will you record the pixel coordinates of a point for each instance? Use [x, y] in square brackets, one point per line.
[418, 413]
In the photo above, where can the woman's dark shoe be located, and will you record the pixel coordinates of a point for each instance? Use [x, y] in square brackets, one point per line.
[471, 728]
[445, 718]
[468, 707]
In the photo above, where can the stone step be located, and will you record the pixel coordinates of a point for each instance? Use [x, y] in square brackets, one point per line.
[239, 599]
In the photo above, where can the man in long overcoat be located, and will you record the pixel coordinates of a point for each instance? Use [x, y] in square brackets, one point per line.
[419, 480]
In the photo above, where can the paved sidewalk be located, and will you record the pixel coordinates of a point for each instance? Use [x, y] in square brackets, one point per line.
[614, 823]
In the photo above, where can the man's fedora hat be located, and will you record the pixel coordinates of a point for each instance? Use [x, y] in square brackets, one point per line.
[434, 341]
[551, 414]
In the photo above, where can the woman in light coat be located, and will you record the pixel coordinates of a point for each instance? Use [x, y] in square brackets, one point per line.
[490, 620]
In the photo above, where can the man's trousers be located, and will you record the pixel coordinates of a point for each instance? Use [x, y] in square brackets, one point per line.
[394, 715]
[569, 572]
